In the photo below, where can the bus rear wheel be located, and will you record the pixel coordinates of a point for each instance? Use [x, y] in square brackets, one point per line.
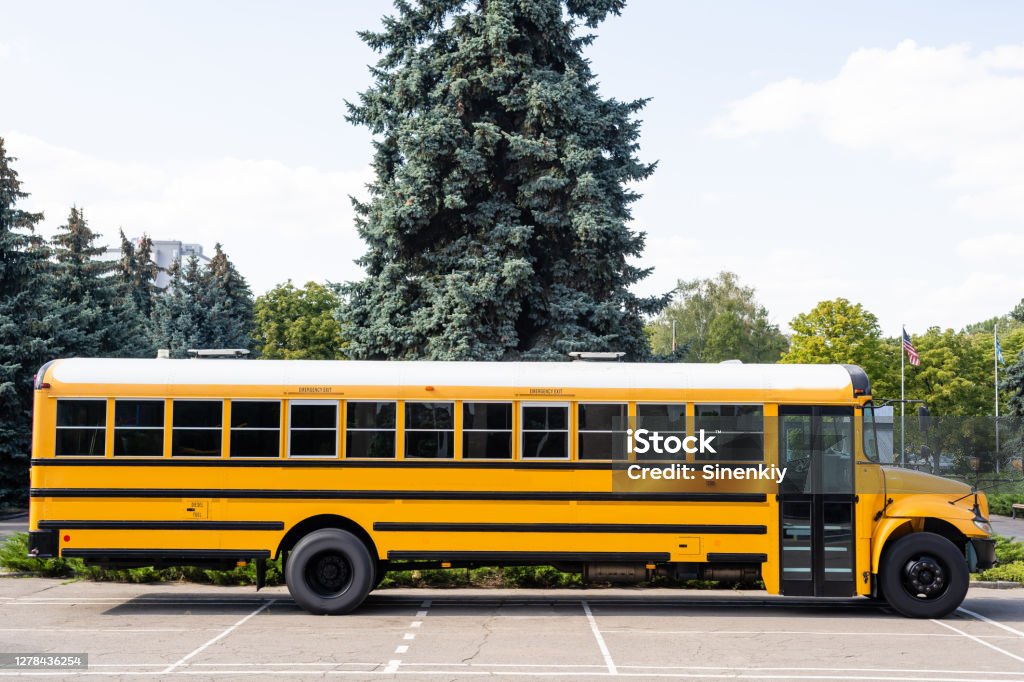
[329, 571]
[924, 575]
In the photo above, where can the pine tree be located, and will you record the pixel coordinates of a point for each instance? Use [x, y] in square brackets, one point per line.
[1013, 384]
[28, 318]
[102, 319]
[498, 221]
[207, 306]
[138, 272]
[229, 304]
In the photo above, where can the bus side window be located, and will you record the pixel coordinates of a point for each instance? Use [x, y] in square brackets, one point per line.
[602, 430]
[545, 428]
[139, 428]
[667, 419]
[738, 431]
[430, 430]
[196, 428]
[486, 430]
[81, 427]
[370, 429]
[313, 428]
[255, 428]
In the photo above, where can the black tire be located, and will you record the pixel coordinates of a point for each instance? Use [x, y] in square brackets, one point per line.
[924, 575]
[330, 571]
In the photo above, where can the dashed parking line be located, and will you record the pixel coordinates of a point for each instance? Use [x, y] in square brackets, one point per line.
[393, 665]
[171, 668]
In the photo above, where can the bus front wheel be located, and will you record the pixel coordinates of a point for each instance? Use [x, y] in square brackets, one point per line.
[924, 575]
[329, 571]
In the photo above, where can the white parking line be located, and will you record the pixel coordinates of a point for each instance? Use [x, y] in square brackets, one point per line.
[988, 620]
[600, 640]
[171, 668]
[980, 641]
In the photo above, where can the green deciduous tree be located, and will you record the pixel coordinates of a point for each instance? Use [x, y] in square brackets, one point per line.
[295, 324]
[719, 320]
[28, 318]
[497, 226]
[842, 332]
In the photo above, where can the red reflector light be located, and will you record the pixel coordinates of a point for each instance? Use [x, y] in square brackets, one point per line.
[67, 538]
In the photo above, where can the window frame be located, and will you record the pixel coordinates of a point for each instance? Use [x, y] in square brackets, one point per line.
[511, 430]
[162, 428]
[399, 415]
[174, 409]
[568, 431]
[101, 429]
[280, 428]
[336, 429]
[580, 430]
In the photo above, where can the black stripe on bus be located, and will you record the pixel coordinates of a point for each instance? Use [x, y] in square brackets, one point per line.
[320, 463]
[162, 525]
[166, 554]
[539, 496]
[461, 555]
[737, 558]
[312, 463]
[712, 529]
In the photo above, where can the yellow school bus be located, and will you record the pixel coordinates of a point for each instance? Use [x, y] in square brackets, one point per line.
[350, 469]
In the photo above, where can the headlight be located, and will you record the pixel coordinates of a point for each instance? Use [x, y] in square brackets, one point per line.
[984, 526]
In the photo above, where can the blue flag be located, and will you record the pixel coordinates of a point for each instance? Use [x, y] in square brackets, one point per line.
[999, 351]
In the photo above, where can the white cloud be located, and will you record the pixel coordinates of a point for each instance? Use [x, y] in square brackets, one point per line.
[5, 50]
[275, 221]
[946, 106]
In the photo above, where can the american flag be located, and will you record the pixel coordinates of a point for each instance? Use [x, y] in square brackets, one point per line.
[912, 355]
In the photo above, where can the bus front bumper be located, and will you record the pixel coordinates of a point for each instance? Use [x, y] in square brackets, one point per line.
[985, 551]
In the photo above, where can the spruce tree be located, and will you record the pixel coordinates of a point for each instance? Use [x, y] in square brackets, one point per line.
[204, 306]
[229, 304]
[28, 319]
[497, 226]
[138, 272]
[102, 319]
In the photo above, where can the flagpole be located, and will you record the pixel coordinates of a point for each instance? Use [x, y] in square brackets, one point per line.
[995, 364]
[903, 404]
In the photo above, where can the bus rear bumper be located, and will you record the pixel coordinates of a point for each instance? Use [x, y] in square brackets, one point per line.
[985, 551]
[43, 544]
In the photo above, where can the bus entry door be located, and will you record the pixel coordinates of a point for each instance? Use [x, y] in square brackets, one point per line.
[816, 501]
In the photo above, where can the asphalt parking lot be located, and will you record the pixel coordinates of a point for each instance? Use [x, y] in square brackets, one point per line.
[172, 630]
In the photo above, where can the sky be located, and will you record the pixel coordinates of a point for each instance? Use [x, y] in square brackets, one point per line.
[870, 150]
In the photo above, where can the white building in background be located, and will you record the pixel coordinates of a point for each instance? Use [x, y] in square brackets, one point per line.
[165, 253]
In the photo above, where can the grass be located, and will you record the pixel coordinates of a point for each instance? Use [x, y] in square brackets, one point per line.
[1010, 555]
[13, 558]
[1002, 503]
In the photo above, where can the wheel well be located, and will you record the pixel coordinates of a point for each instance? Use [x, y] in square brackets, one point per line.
[929, 525]
[946, 530]
[321, 521]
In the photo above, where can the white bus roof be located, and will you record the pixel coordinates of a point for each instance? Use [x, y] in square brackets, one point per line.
[610, 375]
